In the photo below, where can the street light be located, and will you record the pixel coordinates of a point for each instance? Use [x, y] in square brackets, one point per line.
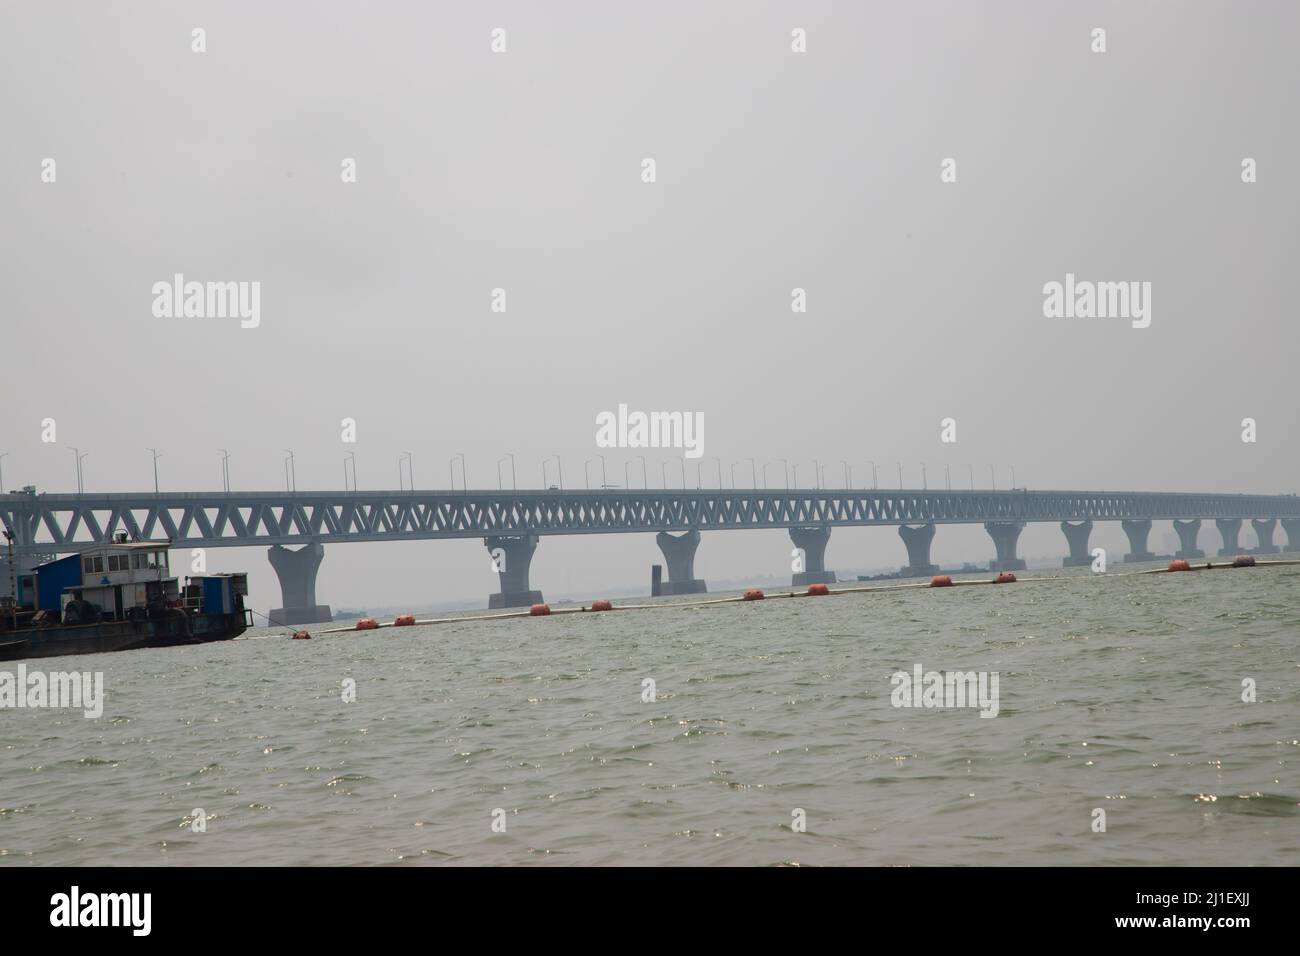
[585, 476]
[925, 482]
[410, 467]
[79, 456]
[604, 478]
[353, 456]
[645, 481]
[225, 469]
[947, 477]
[451, 469]
[290, 468]
[156, 456]
[972, 477]
[733, 475]
[753, 475]
[513, 484]
[993, 479]
[663, 473]
[558, 468]
[900, 476]
[2, 472]
[848, 474]
[1013, 478]
[719, 463]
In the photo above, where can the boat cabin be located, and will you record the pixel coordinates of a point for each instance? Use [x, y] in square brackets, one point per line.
[124, 575]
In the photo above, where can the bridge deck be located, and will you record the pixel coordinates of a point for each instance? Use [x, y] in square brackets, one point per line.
[70, 522]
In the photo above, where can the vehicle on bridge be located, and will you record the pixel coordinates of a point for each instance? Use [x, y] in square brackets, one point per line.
[117, 597]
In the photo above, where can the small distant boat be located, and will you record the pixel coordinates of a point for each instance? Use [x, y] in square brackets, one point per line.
[118, 597]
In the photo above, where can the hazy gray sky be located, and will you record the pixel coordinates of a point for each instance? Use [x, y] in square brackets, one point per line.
[522, 171]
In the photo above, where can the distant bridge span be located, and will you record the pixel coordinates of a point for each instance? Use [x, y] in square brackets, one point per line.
[512, 520]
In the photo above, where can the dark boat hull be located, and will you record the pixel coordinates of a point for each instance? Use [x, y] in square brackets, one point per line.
[119, 635]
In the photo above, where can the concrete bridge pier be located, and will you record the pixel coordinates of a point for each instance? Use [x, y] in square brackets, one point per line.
[1292, 527]
[511, 557]
[1005, 534]
[1187, 532]
[1077, 536]
[297, 573]
[1137, 531]
[1264, 531]
[812, 541]
[679, 555]
[1229, 528]
[918, 551]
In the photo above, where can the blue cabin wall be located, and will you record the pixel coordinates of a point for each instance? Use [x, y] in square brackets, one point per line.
[53, 577]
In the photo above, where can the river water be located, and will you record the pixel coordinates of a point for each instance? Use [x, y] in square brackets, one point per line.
[772, 737]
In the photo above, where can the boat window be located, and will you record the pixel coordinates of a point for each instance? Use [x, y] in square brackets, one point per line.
[87, 566]
[137, 561]
[99, 564]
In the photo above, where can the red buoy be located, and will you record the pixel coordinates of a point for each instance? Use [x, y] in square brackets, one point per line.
[753, 594]
[601, 605]
[301, 636]
[404, 620]
[539, 610]
[1179, 564]
[1243, 561]
[367, 624]
[818, 590]
[941, 581]
[1005, 577]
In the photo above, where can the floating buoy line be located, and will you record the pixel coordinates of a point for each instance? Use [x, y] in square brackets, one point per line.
[756, 594]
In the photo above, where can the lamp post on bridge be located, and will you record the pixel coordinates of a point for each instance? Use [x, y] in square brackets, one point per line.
[225, 469]
[972, 477]
[993, 478]
[156, 456]
[290, 473]
[875, 484]
[733, 475]
[848, 474]
[753, 473]
[353, 456]
[2, 471]
[410, 467]
[513, 484]
[925, 481]
[79, 456]
[559, 470]
[1013, 477]
[900, 476]
[451, 468]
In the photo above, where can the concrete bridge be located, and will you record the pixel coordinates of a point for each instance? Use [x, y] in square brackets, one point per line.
[511, 522]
